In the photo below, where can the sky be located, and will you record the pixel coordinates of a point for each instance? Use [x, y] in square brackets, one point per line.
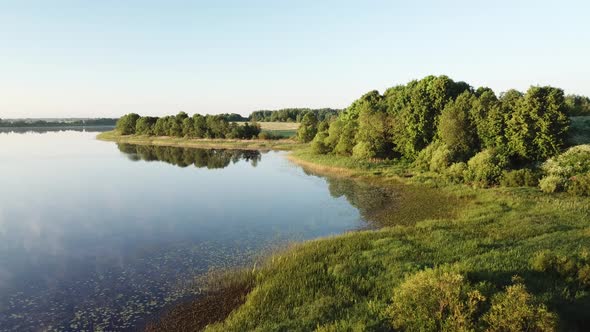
[105, 58]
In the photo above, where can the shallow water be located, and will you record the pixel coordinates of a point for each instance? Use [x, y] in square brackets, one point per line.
[95, 235]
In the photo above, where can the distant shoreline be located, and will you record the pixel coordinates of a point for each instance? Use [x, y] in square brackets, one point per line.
[254, 144]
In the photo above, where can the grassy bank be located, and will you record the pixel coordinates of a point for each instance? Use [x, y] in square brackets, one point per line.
[347, 282]
[281, 144]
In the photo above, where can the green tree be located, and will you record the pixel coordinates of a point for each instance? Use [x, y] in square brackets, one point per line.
[538, 125]
[188, 127]
[308, 128]
[126, 124]
[456, 129]
[415, 108]
[145, 125]
[200, 126]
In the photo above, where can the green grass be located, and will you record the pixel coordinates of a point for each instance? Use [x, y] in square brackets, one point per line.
[346, 282]
[281, 144]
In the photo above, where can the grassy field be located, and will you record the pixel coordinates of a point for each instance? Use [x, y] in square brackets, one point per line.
[279, 125]
[280, 129]
[347, 282]
[281, 144]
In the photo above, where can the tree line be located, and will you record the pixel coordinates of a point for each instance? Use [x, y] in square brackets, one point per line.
[61, 123]
[440, 124]
[292, 114]
[182, 125]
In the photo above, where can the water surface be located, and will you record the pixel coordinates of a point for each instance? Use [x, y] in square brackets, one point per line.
[95, 235]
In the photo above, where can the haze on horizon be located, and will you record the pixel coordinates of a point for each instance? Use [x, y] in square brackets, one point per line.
[106, 58]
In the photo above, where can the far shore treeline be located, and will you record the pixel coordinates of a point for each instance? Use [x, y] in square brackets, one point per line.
[183, 125]
[57, 123]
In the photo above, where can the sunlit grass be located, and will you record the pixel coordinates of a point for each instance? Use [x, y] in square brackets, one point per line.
[346, 282]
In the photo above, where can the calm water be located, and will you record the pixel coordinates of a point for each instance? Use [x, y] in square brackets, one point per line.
[95, 235]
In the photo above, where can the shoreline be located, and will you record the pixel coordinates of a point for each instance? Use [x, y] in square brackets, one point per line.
[264, 145]
[185, 314]
[489, 234]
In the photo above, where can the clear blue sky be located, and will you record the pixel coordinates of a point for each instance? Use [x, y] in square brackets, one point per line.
[108, 57]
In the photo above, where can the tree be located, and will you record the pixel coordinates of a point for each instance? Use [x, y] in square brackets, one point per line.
[373, 134]
[415, 108]
[200, 126]
[145, 125]
[126, 124]
[538, 125]
[456, 129]
[577, 105]
[308, 128]
[188, 127]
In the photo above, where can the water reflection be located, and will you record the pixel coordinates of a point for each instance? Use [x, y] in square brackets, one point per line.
[183, 157]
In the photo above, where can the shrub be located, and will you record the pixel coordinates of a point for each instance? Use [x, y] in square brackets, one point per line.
[518, 310]
[574, 161]
[434, 300]
[552, 183]
[456, 172]
[265, 135]
[363, 150]
[423, 159]
[318, 145]
[441, 159]
[435, 157]
[519, 178]
[579, 185]
[485, 168]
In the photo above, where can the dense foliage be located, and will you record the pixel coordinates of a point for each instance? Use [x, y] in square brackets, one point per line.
[577, 105]
[469, 135]
[181, 125]
[292, 114]
[569, 171]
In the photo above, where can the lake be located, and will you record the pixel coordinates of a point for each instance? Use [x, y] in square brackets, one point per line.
[96, 235]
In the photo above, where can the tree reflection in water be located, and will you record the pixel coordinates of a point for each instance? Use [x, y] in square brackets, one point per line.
[184, 157]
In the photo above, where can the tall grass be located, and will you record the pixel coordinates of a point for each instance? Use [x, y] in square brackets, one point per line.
[346, 282]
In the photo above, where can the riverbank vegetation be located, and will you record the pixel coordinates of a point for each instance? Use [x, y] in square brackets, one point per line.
[205, 143]
[181, 125]
[464, 134]
[516, 255]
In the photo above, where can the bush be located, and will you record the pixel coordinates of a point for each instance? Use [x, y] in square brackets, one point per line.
[552, 183]
[456, 172]
[436, 157]
[519, 178]
[485, 168]
[441, 159]
[318, 145]
[434, 300]
[518, 310]
[423, 159]
[579, 185]
[363, 150]
[574, 161]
